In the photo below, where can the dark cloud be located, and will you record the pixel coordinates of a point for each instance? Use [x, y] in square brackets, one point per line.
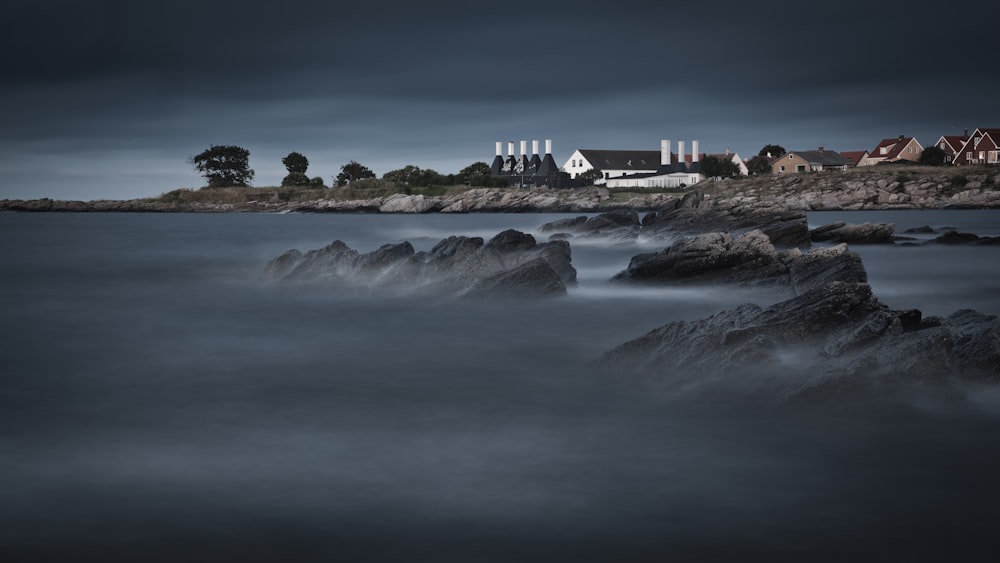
[436, 83]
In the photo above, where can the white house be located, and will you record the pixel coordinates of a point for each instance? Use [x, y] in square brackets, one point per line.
[674, 171]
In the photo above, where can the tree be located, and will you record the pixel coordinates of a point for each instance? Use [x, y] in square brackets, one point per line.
[591, 175]
[475, 169]
[715, 167]
[933, 156]
[759, 165]
[295, 162]
[353, 171]
[405, 175]
[224, 166]
[772, 150]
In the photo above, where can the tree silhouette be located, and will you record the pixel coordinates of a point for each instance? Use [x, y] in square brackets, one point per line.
[224, 165]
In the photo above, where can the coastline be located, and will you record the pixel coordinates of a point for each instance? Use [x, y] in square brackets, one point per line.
[855, 190]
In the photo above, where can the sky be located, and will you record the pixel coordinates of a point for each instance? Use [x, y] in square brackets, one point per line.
[110, 99]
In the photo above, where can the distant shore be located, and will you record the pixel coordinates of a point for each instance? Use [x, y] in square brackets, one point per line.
[875, 188]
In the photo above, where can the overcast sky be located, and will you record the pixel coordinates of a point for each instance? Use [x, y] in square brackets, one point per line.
[109, 99]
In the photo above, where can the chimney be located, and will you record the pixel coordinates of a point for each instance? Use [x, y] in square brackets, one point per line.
[548, 146]
[524, 148]
[534, 148]
[966, 133]
[694, 151]
[820, 149]
[680, 153]
[727, 151]
[510, 148]
[900, 137]
[665, 152]
[499, 148]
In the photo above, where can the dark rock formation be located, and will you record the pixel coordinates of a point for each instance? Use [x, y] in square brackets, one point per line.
[686, 215]
[692, 215]
[510, 264]
[621, 224]
[748, 260]
[865, 233]
[955, 237]
[829, 339]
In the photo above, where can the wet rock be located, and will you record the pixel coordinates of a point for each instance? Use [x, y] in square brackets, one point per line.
[618, 224]
[955, 237]
[865, 233]
[747, 260]
[832, 338]
[510, 264]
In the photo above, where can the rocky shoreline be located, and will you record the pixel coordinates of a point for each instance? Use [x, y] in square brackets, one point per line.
[846, 191]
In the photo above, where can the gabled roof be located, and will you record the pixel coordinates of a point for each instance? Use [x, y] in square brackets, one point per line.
[623, 160]
[854, 157]
[955, 142]
[823, 158]
[894, 147]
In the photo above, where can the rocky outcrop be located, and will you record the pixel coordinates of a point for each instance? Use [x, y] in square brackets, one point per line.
[511, 264]
[691, 213]
[748, 260]
[865, 233]
[622, 224]
[830, 339]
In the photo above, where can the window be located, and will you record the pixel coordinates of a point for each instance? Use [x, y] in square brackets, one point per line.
[781, 168]
[883, 150]
[790, 157]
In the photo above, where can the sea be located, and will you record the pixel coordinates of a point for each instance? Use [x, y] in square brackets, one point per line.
[161, 401]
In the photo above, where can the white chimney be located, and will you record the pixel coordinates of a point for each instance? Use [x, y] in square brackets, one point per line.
[548, 146]
[534, 148]
[665, 152]
[499, 148]
[680, 152]
[510, 148]
[694, 151]
[524, 147]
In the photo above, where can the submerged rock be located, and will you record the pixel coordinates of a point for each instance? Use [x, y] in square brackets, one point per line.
[747, 260]
[510, 264]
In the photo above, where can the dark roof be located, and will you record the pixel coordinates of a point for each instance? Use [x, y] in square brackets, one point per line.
[955, 141]
[824, 158]
[623, 160]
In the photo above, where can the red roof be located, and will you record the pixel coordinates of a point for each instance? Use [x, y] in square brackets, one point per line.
[893, 147]
[955, 141]
[853, 157]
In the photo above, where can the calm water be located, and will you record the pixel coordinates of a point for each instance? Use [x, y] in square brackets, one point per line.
[159, 402]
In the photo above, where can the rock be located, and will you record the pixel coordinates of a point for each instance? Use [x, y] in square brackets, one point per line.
[832, 338]
[783, 228]
[748, 260]
[865, 233]
[618, 224]
[925, 230]
[510, 264]
[955, 237]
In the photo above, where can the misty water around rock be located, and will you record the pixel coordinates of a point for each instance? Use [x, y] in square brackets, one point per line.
[161, 401]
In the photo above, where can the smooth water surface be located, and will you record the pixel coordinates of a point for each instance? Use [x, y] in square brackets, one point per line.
[160, 402]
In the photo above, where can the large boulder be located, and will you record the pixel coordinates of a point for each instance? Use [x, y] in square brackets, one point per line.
[510, 264]
[748, 260]
[830, 339]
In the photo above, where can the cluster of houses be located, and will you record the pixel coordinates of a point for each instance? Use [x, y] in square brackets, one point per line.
[668, 169]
